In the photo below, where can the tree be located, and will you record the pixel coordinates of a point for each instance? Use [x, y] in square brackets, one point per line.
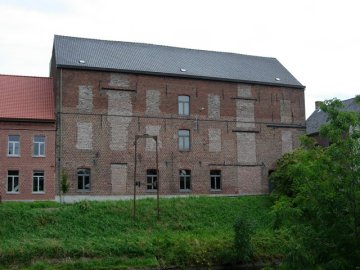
[64, 185]
[317, 195]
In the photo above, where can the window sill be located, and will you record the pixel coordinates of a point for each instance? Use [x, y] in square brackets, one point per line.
[184, 151]
[185, 190]
[13, 156]
[151, 190]
[38, 193]
[215, 190]
[83, 191]
[12, 193]
[39, 156]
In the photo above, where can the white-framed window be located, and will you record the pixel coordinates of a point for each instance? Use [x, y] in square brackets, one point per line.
[185, 180]
[39, 146]
[83, 179]
[151, 179]
[184, 105]
[184, 139]
[13, 145]
[38, 182]
[13, 182]
[215, 179]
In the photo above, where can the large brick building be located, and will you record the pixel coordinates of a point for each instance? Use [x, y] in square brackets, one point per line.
[27, 138]
[222, 119]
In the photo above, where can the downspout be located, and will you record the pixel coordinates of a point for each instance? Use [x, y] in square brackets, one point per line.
[60, 134]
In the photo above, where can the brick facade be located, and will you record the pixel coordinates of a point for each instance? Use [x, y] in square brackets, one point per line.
[26, 163]
[239, 129]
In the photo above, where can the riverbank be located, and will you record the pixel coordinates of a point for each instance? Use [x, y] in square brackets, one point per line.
[102, 235]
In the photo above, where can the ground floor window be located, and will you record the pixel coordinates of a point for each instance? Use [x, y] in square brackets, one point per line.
[151, 179]
[13, 182]
[215, 179]
[83, 177]
[185, 180]
[38, 182]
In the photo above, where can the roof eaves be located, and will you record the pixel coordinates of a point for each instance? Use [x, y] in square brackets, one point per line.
[29, 120]
[27, 76]
[300, 86]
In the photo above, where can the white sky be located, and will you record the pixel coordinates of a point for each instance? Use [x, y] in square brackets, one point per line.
[318, 41]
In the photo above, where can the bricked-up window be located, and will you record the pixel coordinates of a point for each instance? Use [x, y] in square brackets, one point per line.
[39, 146]
[184, 105]
[185, 180]
[215, 178]
[83, 176]
[38, 182]
[14, 145]
[13, 182]
[184, 139]
[151, 179]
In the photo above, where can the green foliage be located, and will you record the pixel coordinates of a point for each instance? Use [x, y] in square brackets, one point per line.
[243, 232]
[192, 231]
[64, 182]
[317, 195]
[84, 205]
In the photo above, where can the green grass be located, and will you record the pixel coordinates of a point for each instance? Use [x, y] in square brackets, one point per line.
[103, 235]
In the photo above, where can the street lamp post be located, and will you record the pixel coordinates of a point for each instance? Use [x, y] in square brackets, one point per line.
[155, 138]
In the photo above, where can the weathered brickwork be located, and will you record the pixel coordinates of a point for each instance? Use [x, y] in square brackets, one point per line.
[214, 106]
[286, 141]
[245, 114]
[285, 111]
[119, 110]
[150, 143]
[85, 98]
[246, 148]
[214, 140]
[118, 178]
[152, 102]
[119, 80]
[84, 136]
[239, 129]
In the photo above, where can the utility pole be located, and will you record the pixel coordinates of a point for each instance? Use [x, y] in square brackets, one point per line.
[137, 183]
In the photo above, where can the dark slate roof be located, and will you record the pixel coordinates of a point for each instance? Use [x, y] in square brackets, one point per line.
[163, 60]
[318, 117]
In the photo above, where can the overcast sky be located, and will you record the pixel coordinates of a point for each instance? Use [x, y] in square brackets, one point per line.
[318, 41]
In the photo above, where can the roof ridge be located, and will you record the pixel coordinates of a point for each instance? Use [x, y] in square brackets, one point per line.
[347, 99]
[166, 46]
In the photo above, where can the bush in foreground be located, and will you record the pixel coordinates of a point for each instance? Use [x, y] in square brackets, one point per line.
[317, 193]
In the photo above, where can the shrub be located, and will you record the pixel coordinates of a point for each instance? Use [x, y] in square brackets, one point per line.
[243, 232]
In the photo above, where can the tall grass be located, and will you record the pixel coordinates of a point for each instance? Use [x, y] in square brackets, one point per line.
[191, 231]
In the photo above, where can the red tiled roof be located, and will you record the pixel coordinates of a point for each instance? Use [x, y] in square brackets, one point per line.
[23, 97]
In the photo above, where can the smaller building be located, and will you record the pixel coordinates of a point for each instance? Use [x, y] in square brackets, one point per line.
[319, 118]
[27, 138]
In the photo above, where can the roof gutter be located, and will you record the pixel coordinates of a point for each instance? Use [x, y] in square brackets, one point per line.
[28, 120]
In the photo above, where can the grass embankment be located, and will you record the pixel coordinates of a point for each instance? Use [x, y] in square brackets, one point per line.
[103, 235]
